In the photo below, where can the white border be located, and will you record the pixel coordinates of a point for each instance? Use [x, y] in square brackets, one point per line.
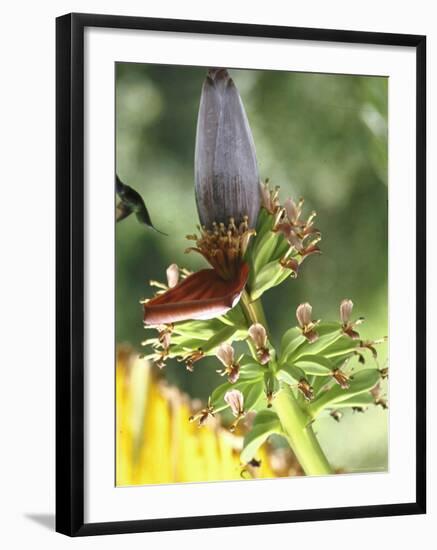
[103, 501]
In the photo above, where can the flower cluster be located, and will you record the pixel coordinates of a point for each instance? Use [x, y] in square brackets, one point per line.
[223, 246]
[283, 241]
[301, 235]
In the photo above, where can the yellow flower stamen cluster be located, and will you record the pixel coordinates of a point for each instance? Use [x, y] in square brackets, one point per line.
[223, 246]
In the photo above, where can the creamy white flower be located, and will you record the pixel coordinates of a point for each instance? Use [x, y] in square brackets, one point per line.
[348, 326]
[226, 354]
[235, 399]
[258, 334]
[172, 275]
[304, 314]
[346, 311]
[304, 318]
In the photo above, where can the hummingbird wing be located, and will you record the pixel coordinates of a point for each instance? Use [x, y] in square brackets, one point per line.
[143, 217]
[132, 201]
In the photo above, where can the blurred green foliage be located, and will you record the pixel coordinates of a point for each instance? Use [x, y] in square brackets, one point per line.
[323, 137]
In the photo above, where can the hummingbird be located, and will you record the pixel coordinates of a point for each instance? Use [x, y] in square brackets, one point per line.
[131, 201]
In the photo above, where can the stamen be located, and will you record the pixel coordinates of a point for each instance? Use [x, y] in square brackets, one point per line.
[311, 217]
[157, 284]
[224, 246]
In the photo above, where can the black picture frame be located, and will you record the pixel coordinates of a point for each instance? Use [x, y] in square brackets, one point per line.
[70, 273]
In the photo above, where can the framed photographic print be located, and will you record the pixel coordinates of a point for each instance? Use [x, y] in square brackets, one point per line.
[240, 274]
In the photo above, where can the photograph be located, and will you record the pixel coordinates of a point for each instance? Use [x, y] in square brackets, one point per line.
[251, 274]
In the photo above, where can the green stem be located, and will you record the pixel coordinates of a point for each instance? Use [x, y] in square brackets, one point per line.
[253, 311]
[300, 434]
[294, 420]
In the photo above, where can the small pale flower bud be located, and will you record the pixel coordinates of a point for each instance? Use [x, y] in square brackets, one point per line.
[348, 326]
[346, 311]
[303, 314]
[235, 399]
[226, 354]
[259, 337]
[172, 275]
[270, 198]
[258, 334]
[226, 172]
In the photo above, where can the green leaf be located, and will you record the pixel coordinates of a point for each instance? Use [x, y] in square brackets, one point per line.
[202, 330]
[291, 341]
[271, 383]
[214, 342]
[326, 328]
[250, 367]
[177, 349]
[363, 381]
[181, 344]
[282, 247]
[265, 424]
[187, 341]
[234, 317]
[263, 249]
[328, 333]
[291, 374]
[343, 346]
[264, 223]
[251, 370]
[318, 383]
[315, 365]
[270, 275]
[360, 400]
[239, 335]
[252, 394]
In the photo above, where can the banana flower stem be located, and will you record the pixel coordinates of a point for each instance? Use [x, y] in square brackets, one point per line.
[294, 419]
[300, 434]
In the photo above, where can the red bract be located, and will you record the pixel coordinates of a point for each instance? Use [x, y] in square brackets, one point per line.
[202, 295]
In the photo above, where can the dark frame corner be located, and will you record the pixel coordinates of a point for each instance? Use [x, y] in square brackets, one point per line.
[70, 281]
